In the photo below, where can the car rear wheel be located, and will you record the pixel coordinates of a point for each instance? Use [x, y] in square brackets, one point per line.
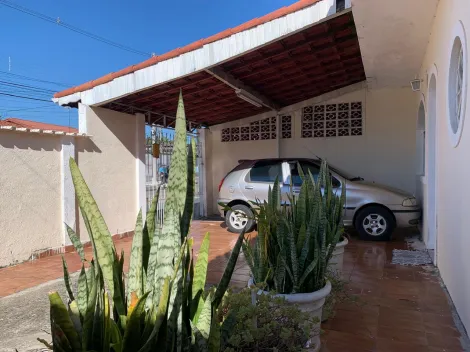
[238, 217]
[375, 223]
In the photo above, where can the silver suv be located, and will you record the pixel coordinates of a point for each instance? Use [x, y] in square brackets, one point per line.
[374, 210]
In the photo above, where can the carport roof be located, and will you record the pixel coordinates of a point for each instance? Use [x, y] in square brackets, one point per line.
[293, 54]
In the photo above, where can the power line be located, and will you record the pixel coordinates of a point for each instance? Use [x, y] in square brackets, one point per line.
[34, 79]
[22, 97]
[33, 108]
[59, 22]
[25, 86]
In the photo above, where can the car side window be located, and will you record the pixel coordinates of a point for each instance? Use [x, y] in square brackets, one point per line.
[314, 170]
[265, 171]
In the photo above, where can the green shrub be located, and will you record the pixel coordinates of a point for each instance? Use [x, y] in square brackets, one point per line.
[270, 324]
[164, 305]
[295, 243]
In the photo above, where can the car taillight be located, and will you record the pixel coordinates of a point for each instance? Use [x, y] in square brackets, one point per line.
[221, 183]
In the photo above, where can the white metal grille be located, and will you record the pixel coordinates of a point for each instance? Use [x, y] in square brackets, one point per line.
[264, 129]
[332, 120]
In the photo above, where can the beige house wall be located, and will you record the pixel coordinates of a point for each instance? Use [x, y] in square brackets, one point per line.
[108, 163]
[30, 195]
[385, 153]
[453, 168]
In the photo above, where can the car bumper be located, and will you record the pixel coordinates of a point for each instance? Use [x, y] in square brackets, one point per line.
[407, 217]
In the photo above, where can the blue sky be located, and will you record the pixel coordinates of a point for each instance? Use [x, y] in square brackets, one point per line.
[49, 52]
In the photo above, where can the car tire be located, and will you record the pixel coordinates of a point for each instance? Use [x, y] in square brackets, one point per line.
[238, 217]
[375, 223]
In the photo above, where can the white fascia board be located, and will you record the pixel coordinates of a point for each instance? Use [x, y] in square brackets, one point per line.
[209, 55]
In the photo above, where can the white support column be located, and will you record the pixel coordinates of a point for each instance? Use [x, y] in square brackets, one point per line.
[141, 198]
[202, 133]
[67, 199]
[82, 126]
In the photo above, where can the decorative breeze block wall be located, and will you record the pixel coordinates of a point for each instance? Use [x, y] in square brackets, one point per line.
[332, 120]
[264, 129]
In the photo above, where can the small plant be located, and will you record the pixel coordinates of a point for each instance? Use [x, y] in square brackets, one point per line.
[164, 305]
[266, 323]
[295, 242]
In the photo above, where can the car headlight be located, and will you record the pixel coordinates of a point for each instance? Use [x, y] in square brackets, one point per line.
[409, 202]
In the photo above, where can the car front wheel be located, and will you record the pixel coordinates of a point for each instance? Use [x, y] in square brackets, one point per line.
[238, 217]
[375, 223]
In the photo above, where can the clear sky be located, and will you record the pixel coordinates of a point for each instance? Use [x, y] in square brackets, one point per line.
[33, 48]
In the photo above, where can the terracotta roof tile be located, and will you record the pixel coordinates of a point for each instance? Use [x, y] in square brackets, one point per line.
[20, 123]
[190, 47]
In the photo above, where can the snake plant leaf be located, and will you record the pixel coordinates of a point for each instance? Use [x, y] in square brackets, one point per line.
[160, 319]
[135, 282]
[134, 329]
[60, 343]
[106, 323]
[189, 202]
[82, 295]
[205, 319]
[198, 341]
[227, 275]
[77, 244]
[307, 271]
[75, 316]
[301, 238]
[214, 336]
[200, 271]
[61, 317]
[152, 215]
[102, 240]
[67, 279]
[93, 287]
[151, 267]
[171, 235]
[115, 336]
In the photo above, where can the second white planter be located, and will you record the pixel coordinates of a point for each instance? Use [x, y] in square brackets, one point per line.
[311, 303]
[336, 261]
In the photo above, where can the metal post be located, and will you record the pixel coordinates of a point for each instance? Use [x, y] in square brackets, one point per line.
[154, 160]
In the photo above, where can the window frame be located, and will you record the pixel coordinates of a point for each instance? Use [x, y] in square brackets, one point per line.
[455, 122]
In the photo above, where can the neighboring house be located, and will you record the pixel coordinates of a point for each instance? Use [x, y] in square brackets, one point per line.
[35, 191]
[31, 125]
[319, 77]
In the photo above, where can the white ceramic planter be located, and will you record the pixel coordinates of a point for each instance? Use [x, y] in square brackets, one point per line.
[311, 303]
[336, 261]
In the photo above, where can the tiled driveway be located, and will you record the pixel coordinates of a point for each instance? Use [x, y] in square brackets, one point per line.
[404, 308]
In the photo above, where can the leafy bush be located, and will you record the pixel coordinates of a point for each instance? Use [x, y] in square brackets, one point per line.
[295, 243]
[164, 305]
[265, 323]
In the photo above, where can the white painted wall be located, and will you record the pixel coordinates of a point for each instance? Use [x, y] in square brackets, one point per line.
[30, 195]
[109, 166]
[453, 168]
[384, 154]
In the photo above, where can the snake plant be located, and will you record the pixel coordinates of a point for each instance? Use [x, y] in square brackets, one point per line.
[164, 305]
[296, 239]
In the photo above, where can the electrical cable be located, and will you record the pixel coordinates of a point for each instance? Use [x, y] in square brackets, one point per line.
[70, 27]
[34, 79]
[22, 97]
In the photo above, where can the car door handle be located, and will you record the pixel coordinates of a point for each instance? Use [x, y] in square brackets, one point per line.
[248, 187]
